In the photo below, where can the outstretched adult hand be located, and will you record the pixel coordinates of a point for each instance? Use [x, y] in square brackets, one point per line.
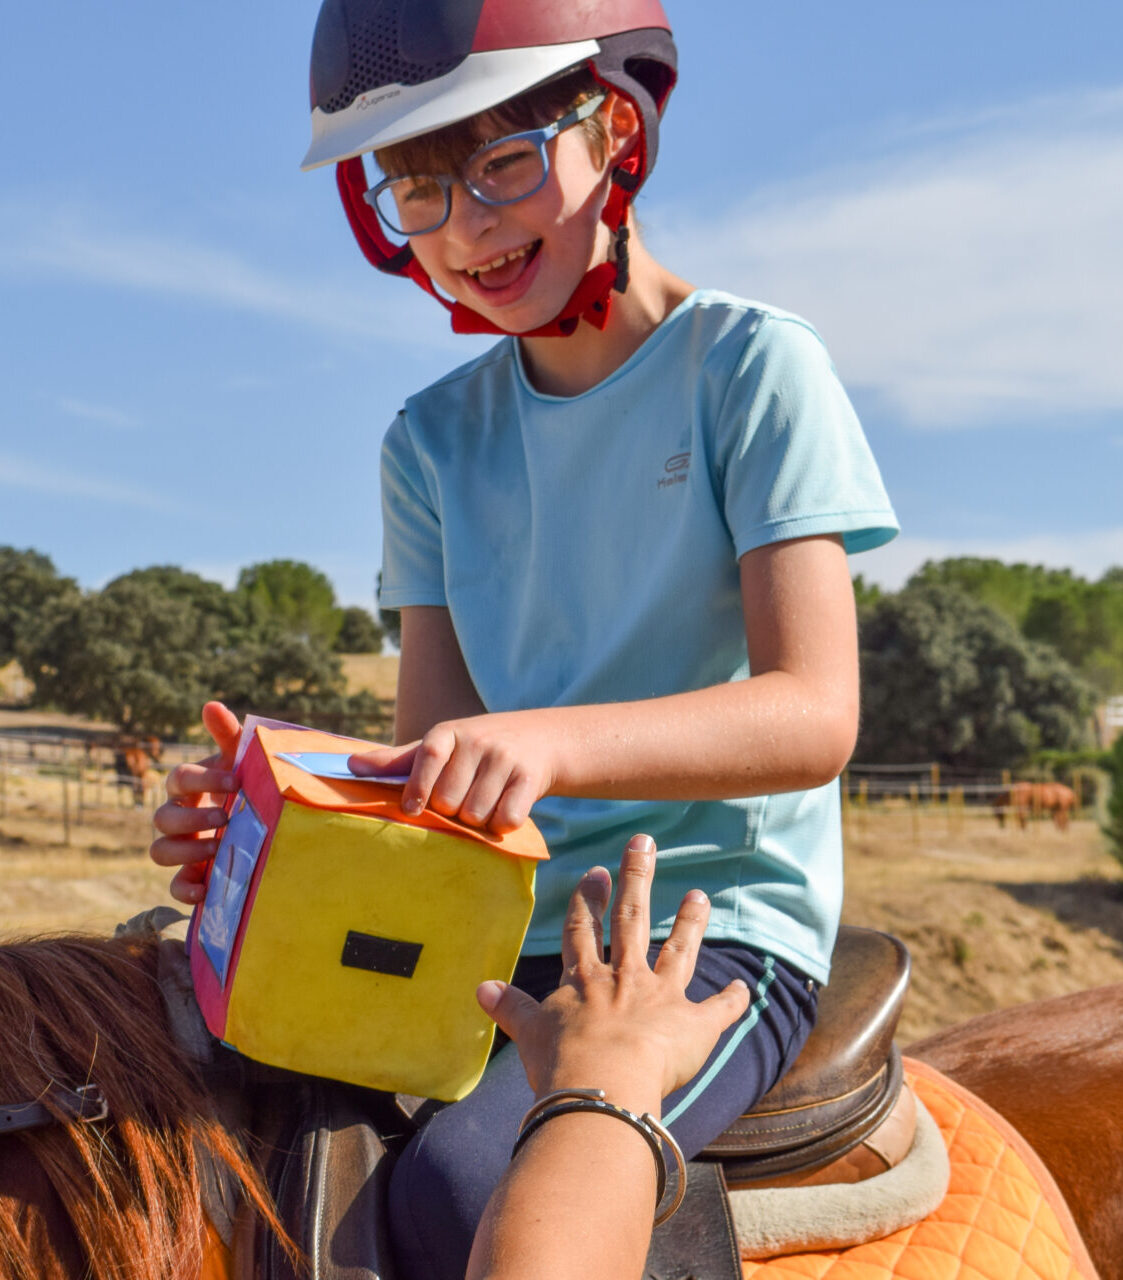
[619, 1017]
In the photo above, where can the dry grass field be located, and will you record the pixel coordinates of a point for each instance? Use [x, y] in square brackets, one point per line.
[992, 917]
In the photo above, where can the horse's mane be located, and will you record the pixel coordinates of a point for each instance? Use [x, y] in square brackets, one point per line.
[76, 1010]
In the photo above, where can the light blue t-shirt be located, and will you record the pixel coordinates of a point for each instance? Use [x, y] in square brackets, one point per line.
[587, 549]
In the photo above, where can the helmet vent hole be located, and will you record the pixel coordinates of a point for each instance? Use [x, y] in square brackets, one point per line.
[376, 60]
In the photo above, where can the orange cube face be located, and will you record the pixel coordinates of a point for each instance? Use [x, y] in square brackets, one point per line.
[349, 944]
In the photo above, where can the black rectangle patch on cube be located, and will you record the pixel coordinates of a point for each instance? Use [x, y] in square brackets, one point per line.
[380, 955]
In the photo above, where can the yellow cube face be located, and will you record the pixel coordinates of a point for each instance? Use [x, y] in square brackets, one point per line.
[366, 946]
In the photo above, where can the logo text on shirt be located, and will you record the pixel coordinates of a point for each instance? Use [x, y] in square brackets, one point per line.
[675, 469]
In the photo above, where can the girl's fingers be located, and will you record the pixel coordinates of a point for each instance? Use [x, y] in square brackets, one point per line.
[680, 952]
[514, 806]
[583, 931]
[631, 912]
[223, 726]
[188, 782]
[382, 760]
[179, 851]
[187, 885]
[172, 819]
[437, 778]
[482, 799]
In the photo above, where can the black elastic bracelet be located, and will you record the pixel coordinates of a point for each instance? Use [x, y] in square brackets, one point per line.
[566, 1101]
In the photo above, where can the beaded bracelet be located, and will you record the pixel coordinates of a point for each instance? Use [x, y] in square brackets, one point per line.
[567, 1101]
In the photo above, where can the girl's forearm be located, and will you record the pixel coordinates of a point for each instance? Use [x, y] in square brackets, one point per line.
[767, 734]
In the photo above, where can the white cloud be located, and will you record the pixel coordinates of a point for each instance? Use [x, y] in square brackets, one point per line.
[86, 246]
[973, 271]
[1087, 554]
[102, 414]
[17, 473]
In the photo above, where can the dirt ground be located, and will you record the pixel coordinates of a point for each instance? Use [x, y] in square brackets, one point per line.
[992, 917]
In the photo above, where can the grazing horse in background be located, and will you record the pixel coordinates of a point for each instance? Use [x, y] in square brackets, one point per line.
[134, 760]
[1026, 800]
[123, 1198]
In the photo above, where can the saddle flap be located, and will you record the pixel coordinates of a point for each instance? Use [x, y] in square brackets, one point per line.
[699, 1242]
[328, 1174]
[848, 1075]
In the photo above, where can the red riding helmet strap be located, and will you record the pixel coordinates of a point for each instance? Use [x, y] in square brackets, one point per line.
[591, 300]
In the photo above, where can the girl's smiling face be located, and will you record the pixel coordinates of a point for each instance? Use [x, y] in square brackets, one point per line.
[518, 265]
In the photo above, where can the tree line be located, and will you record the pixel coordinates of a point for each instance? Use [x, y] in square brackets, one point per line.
[149, 648]
[974, 663]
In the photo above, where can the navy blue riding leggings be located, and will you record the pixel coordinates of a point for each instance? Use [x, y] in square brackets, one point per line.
[446, 1175]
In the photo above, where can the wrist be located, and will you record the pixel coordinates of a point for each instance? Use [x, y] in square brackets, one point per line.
[636, 1090]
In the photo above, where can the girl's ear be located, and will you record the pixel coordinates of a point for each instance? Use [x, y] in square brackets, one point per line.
[622, 126]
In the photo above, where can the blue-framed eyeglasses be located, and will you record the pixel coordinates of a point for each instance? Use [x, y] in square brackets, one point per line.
[500, 172]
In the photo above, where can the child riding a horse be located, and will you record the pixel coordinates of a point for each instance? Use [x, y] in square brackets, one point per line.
[617, 540]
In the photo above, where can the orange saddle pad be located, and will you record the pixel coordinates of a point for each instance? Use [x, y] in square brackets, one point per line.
[1003, 1217]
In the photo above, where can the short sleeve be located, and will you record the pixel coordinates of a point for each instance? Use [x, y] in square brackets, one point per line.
[412, 560]
[791, 457]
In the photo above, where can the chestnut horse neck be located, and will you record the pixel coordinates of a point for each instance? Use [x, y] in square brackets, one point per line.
[118, 1198]
[1054, 1069]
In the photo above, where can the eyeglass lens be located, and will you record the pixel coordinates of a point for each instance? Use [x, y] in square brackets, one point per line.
[508, 170]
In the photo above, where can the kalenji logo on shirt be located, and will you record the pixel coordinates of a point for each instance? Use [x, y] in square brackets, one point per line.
[676, 467]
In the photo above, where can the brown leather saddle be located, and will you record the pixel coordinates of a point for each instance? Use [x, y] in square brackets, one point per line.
[844, 1089]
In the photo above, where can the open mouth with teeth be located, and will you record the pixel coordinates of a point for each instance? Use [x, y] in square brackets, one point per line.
[505, 269]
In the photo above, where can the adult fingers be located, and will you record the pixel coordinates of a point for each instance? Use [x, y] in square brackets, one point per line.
[508, 1007]
[224, 727]
[726, 1006]
[583, 930]
[631, 911]
[679, 953]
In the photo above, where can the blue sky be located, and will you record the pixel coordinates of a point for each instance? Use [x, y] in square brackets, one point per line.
[197, 365]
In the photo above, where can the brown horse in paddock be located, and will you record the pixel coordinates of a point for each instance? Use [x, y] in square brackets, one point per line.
[1026, 800]
[134, 761]
[121, 1198]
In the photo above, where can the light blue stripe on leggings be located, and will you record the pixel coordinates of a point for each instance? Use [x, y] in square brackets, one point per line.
[751, 1018]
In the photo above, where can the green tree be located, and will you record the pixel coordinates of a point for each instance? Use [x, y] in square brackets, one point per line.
[31, 591]
[866, 593]
[391, 619]
[276, 672]
[294, 595]
[1083, 621]
[141, 652]
[358, 632]
[1008, 588]
[947, 678]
